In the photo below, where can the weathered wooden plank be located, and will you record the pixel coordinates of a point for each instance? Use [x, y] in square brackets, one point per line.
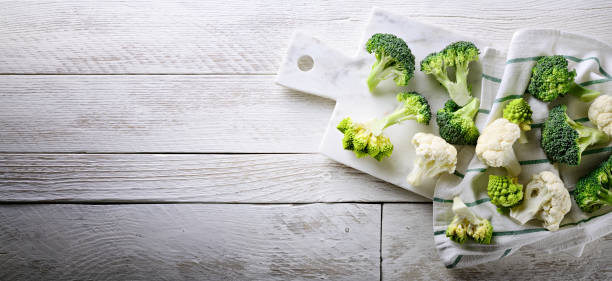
[159, 113]
[274, 178]
[408, 253]
[81, 36]
[190, 242]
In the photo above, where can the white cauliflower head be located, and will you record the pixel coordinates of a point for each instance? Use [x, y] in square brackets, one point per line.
[494, 146]
[546, 199]
[600, 113]
[433, 157]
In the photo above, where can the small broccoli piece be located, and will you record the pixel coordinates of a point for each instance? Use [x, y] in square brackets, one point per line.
[593, 190]
[368, 139]
[467, 224]
[551, 79]
[504, 191]
[393, 59]
[519, 112]
[458, 55]
[564, 140]
[457, 123]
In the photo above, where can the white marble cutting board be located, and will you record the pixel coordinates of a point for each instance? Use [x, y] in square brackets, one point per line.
[342, 78]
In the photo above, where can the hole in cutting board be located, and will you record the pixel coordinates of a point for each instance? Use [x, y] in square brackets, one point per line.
[305, 63]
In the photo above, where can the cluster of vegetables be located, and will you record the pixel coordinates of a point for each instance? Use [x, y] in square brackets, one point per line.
[545, 197]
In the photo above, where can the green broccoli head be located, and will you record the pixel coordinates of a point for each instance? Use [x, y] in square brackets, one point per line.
[551, 79]
[457, 123]
[519, 112]
[564, 140]
[504, 191]
[593, 190]
[458, 55]
[467, 224]
[368, 139]
[393, 59]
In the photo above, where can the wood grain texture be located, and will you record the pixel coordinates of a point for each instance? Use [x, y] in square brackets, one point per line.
[189, 242]
[82, 36]
[159, 113]
[408, 253]
[277, 178]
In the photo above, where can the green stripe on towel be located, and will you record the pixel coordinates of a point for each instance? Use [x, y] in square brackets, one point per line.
[506, 253]
[455, 262]
[510, 97]
[491, 78]
[572, 58]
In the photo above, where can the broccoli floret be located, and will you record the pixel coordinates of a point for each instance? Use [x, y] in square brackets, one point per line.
[458, 55]
[368, 139]
[393, 59]
[504, 191]
[467, 224]
[564, 140]
[457, 123]
[550, 79]
[593, 191]
[519, 112]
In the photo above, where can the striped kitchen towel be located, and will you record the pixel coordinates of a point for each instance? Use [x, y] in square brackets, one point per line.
[509, 77]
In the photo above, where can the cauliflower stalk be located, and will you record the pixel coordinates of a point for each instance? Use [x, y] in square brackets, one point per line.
[494, 146]
[467, 224]
[600, 114]
[433, 157]
[546, 199]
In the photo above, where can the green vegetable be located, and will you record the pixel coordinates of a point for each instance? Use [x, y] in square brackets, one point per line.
[457, 123]
[504, 191]
[393, 59]
[368, 139]
[458, 55]
[564, 140]
[519, 112]
[467, 224]
[593, 190]
[550, 79]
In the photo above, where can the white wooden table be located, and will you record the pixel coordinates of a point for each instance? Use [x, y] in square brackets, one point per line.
[146, 140]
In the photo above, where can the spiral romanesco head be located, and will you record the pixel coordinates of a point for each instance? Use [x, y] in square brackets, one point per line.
[519, 112]
[504, 191]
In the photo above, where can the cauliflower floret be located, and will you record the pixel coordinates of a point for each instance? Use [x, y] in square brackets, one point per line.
[494, 146]
[546, 199]
[600, 114]
[433, 157]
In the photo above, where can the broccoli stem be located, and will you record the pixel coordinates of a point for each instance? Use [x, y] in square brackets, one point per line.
[401, 114]
[587, 136]
[605, 196]
[379, 72]
[583, 93]
[523, 137]
[470, 109]
[459, 92]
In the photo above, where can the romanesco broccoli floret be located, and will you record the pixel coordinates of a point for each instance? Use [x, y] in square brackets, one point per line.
[457, 55]
[519, 112]
[368, 139]
[551, 79]
[504, 191]
[393, 59]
